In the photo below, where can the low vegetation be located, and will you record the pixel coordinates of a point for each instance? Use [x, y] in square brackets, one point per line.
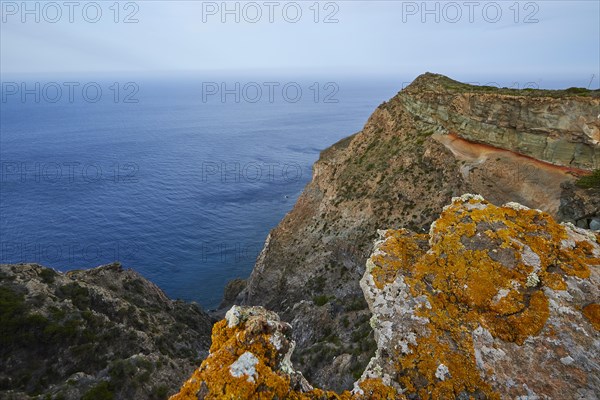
[590, 181]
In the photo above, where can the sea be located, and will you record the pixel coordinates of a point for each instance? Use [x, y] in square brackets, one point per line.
[180, 178]
[177, 176]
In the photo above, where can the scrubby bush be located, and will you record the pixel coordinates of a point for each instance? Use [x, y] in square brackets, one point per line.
[320, 300]
[101, 391]
[590, 181]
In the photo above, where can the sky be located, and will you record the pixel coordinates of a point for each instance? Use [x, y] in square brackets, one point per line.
[537, 40]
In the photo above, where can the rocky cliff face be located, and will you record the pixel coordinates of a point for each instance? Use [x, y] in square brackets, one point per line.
[436, 139]
[550, 126]
[493, 302]
[103, 333]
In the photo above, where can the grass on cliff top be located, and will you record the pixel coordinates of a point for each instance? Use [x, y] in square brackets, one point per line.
[456, 86]
[570, 92]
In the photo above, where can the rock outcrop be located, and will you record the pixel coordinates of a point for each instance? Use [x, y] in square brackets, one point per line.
[580, 206]
[492, 303]
[416, 151]
[495, 302]
[102, 333]
[250, 359]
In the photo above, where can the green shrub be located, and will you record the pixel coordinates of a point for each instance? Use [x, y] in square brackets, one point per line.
[160, 392]
[47, 275]
[101, 391]
[590, 181]
[320, 300]
[356, 304]
[577, 90]
[17, 326]
[121, 371]
[79, 295]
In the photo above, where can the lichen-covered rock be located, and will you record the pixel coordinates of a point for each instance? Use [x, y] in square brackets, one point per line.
[492, 303]
[495, 302]
[250, 359]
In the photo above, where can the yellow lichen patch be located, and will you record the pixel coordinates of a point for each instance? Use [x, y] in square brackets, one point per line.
[407, 251]
[576, 261]
[486, 267]
[418, 369]
[554, 281]
[247, 360]
[215, 377]
[483, 270]
[592, 313]
[517, 327]
[374, 389]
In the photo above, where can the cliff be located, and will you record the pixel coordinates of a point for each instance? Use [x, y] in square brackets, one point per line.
[559, 127]
[436, 139]
[493, 302]
[102, 333]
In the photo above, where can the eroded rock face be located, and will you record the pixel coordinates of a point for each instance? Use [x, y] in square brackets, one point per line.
[580, 206]
[560, 130]
[494, 302]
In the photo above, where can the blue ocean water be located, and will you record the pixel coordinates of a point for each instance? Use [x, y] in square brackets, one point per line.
[162, 174]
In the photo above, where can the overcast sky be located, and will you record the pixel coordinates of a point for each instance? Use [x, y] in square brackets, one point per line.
[541, 39]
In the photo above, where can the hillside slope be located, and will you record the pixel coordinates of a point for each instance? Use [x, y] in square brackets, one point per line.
[102, 333]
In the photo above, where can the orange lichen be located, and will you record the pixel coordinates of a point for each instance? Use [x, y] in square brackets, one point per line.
[481, 268]
[407, 245]
[517, 327]
[575, 261]
[592, 313]
[256, 337]
[486, 267]
[375, 389]
[228, 345]
[554, 281]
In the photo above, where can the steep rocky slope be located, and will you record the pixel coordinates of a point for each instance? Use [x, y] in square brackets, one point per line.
[102, 333]
[436, 139]
[493, 302]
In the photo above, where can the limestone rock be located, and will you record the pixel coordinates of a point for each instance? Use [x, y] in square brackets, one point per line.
[495, 302]
[491, 303]
[550, 126]
[580, 206]
[232, 289]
